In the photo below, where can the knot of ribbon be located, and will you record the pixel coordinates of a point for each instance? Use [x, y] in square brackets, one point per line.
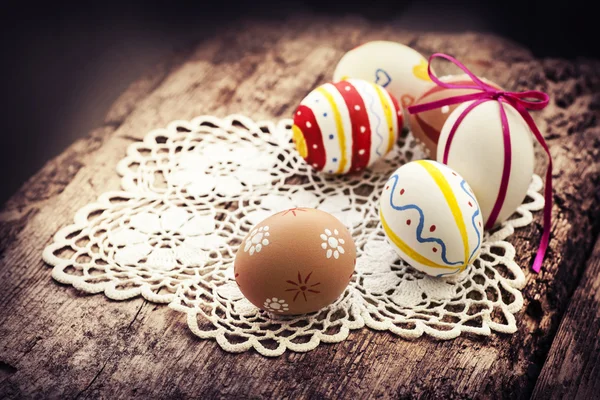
[522, 102]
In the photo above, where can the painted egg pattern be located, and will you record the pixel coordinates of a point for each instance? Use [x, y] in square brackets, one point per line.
[477, 153]
[296, 261]
[426, 126]
[396, 67]
[431, 217]
[346, 126]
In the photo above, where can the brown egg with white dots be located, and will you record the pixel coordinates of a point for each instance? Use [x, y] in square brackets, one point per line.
[295, 262]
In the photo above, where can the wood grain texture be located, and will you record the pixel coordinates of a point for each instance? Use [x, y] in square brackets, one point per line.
[57, 342]
[572, 369]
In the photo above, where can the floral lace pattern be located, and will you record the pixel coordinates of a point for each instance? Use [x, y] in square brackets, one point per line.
[194, 190]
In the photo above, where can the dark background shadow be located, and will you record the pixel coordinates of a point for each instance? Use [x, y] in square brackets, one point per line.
[63, 65]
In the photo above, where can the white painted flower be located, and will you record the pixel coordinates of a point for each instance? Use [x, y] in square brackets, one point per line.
[239, 167]
[257, 239]
[276, 305]
[165, 240]
[332, 243]
[338, 205]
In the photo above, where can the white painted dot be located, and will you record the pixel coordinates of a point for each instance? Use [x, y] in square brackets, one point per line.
[445, 109]
[361, 151]
[308, 124]
[348, 88]
[399, 112]
[357, 107]
[315, 165]
[299, 113]
[363, 129]
[314, 146]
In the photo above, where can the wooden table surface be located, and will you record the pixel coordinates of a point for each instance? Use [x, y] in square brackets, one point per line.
[60, 343]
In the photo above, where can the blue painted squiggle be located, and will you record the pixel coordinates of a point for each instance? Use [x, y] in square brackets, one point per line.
[372, 108]
[420, 238]
[448, 273]
[379, 71]
[462, 185]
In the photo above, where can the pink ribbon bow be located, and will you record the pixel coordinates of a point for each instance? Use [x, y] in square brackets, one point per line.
[522, 102]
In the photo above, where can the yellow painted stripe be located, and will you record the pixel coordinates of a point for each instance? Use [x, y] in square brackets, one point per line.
[387, 109]
[409, 251]
[442, 183]
[339, 126]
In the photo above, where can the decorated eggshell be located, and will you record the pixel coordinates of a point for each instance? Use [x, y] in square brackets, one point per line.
[396, 67]
[477, 153]
[346, 126]
[296, 261]
[431, 217]
[426, 126]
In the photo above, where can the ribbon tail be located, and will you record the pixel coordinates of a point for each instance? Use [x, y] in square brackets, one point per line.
[545, 240]
[541, 253]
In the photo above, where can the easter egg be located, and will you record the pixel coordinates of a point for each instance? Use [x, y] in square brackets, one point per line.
[296, 261]
[431, 218]
[346, 126]
[477, 152]
[427, 125]
[396, 67]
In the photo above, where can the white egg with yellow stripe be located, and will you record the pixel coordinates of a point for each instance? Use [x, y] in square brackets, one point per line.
[346, 126]
[431, 217]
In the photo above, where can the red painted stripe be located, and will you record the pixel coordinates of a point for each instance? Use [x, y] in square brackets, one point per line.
[429, 131]
[398, 111]
[432, 133]
[312, 135]
[361, 127]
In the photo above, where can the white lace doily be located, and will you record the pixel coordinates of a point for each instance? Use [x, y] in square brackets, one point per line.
[192, 191]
